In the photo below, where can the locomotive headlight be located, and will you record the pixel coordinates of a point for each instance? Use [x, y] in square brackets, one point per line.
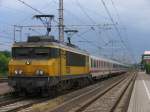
[18, 72]
[39, 72]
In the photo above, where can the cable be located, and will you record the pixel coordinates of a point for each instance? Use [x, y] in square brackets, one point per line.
[5, 43]
[31, 29]
[68, 11]
[113, 4]
[89, 42]
[69, 25]
[36, 10]
[90, 18]
[116, 28]
[2, 36]
[80, 6]
[117, 14]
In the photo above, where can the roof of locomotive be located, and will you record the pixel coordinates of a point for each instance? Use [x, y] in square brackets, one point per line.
[51, 43]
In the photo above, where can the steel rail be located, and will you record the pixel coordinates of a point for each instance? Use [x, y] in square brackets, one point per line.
[85, 96]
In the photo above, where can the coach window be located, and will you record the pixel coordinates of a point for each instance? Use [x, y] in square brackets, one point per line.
[108, 65]
[94, 63]
[91, 63]
[111, 65]
[102, 64]
[105, 64]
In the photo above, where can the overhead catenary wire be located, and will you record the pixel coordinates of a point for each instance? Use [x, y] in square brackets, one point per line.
[69, 12]
[82, 8]
[89, 42]
[116, 28]
[6, 37]
[90, 18]
[36, 10]
[70, 25]
[117, 14]
[5, 43]
[120, 22]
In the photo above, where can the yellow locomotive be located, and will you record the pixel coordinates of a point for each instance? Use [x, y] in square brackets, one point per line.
[42, 63]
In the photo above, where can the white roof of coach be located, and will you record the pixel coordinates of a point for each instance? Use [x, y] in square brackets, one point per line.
[105, 59]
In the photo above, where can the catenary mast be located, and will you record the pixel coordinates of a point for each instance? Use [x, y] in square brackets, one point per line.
[61, 21]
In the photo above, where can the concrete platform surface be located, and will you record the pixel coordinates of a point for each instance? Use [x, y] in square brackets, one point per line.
[140, 99]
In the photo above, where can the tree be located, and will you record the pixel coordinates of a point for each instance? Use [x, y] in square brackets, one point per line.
[4, 60]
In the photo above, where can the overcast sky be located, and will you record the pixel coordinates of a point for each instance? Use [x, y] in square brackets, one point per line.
[132, 18]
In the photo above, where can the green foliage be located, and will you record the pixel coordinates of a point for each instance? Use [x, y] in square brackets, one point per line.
[4, 60]
[147, 67]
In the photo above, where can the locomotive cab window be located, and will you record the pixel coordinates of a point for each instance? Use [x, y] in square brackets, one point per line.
[34, 52]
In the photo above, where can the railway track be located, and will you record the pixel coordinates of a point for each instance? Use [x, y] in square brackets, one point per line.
[111, 100]
[9, 100]
[77, 101]
[14, 105]
[2, 80]
[105, 100]
[70, 101]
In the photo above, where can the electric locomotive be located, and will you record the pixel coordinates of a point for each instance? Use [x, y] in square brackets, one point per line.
[41, 63]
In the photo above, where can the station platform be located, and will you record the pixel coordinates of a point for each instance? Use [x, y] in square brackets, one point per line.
[140, 98]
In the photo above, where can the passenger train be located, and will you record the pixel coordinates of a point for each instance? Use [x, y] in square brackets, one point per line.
[42, 63]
